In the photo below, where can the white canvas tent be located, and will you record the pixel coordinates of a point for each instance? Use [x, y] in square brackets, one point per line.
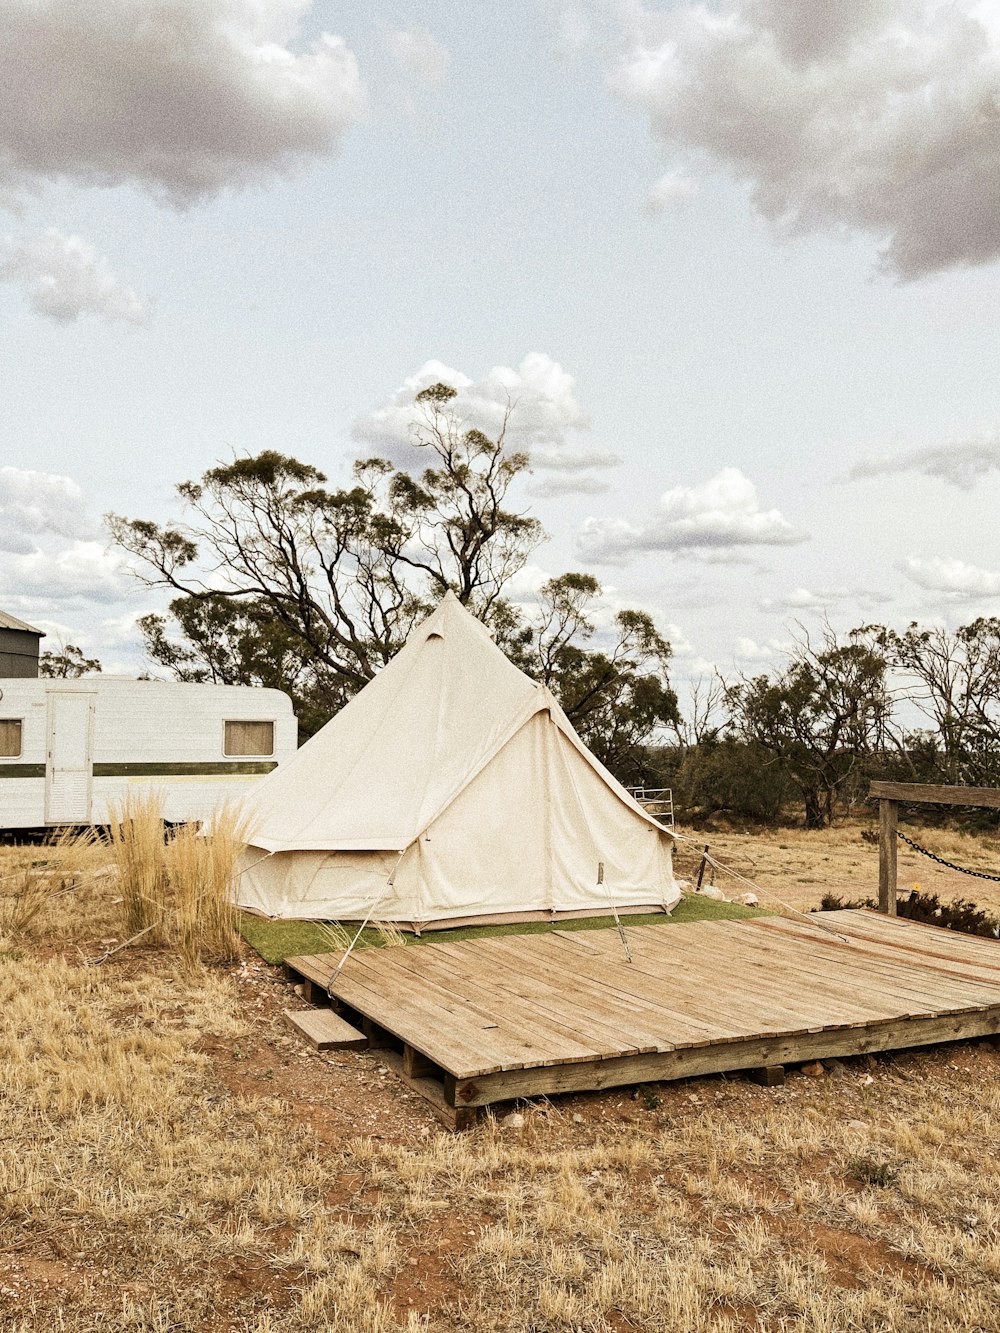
[453, 787]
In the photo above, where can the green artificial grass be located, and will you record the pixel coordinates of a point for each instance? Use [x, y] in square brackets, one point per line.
[277, 940]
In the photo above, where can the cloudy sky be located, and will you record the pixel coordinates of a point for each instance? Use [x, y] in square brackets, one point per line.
[738, 262]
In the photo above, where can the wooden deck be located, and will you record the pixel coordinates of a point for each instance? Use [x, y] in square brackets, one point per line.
[489, 1020]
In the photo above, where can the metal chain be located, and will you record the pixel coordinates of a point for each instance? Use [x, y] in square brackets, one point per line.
[977, 874]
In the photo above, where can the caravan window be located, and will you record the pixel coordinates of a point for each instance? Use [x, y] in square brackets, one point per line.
[10, 738]
[249, 738]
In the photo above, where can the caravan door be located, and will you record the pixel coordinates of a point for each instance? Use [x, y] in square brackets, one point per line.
[68, 766]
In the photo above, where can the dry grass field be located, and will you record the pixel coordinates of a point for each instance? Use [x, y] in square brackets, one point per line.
[172, 1158]
[799, 866]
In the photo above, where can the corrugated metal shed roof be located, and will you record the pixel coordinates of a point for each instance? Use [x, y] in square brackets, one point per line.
[12, 622]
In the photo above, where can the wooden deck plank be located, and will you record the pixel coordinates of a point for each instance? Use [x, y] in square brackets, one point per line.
[686, 986]
[691, 1063]
[577, 1007]
[324, 1030]
[662, 1004]
[889, 983]
[430, 1089]
[821, 998]
[932, 969]
[547, 1034]
[928, 940]
[398, 990]
[491, 966]
[928, 974]
[441, 1030]
[737, 1011]
[755, 998]
[690, 980]
[598, 993]
[826, 955]
[837, 972]
[501, 1039]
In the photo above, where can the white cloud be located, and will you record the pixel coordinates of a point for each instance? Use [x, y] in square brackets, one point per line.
[57, 571]
[803, 599]
[951, 578]
[63, 277]
[573, 460]
[540, 398]
[80, 570]
[570, 471]
[419, 55]
[961, 464]
[820, 599]
[880, 116]
[180, 97]
[35, 503]
[553, 486]
[671, 191]
[748, 650]
[678, 640]
[525, 586]
[714, 519]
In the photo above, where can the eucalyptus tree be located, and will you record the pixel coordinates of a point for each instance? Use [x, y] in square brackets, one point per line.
[820, 715]
[951, 678]
[269, 559]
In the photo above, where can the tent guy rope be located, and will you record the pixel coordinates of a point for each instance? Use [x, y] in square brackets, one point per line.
[357, 935]
[614, 909]
[767, 893]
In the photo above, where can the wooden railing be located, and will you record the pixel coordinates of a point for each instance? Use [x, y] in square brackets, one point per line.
[889, 795]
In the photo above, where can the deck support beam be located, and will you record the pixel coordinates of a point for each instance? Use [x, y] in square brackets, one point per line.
[692, 1062]
[768, 1076]
[379, 1038]
[417, 1065]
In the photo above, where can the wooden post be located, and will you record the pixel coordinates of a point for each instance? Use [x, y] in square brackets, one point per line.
[888, 812]
[701, 869]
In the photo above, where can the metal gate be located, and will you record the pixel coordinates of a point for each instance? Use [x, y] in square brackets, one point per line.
[68, 756]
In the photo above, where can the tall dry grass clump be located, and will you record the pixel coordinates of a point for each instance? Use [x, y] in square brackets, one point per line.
[23, 894]
[200, 867]
[137, 833]
[339, 937]
[176, 886]
[32, 878]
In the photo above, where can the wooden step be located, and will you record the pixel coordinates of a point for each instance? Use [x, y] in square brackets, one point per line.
[325, 1030]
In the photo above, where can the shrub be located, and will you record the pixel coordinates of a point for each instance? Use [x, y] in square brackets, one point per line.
[873, 1171]
[733, 777]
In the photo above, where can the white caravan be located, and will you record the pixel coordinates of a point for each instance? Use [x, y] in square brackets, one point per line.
[71, 750]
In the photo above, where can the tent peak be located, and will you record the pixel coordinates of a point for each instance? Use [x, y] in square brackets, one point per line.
[452, 614]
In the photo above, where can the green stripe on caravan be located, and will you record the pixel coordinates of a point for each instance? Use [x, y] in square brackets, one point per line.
[141, 770]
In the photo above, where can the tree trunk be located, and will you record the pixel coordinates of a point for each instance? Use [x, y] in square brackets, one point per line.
[827, 808]
[814, 810]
